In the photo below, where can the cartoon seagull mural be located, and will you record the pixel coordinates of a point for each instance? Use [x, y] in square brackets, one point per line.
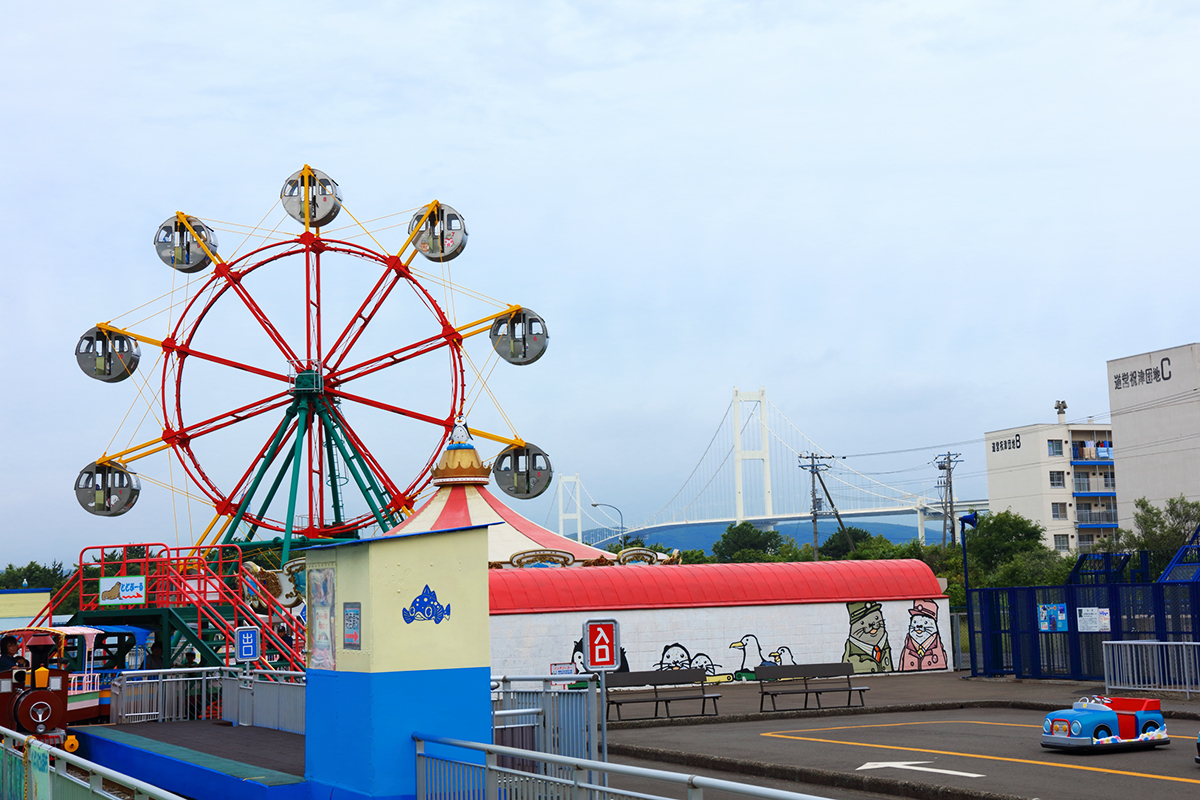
[751, 653]
[783, 656]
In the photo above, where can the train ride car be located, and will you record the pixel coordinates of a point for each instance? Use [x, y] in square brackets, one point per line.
[33, 690]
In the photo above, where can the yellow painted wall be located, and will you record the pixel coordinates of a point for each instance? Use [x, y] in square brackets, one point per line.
[23, 604]
[387, 575]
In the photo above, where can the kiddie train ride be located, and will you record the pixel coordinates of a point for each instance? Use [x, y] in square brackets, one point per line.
[33, 692]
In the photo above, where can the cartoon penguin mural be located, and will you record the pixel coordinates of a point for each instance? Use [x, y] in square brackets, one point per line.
[923, 644]
[577, 659]
[752, 657]
[867, 646]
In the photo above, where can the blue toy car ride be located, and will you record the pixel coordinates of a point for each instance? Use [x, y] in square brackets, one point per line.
[1102, 723]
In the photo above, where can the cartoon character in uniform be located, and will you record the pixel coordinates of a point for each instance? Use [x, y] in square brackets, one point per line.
[923, 645]
[867, 646]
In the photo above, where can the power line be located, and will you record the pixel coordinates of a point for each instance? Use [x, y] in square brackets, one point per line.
[916, 449]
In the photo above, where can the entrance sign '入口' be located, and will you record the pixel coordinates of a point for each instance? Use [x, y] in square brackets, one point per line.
[601, 645]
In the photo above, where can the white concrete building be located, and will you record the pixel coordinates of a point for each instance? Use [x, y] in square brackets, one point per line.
[1057, 474]
[1154, 399]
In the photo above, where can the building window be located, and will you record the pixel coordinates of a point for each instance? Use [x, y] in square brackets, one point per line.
[1083, 482]
[1058, 479]
[1062, 542]
[1054, 446]
[1086, 540]
[1058, 511]
[1110, 480]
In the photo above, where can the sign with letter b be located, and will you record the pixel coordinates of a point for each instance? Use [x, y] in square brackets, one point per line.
[601, 645]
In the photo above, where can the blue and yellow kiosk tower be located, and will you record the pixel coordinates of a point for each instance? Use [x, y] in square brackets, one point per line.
[397, 643]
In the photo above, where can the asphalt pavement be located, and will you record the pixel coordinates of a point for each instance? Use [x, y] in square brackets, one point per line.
[923, 736]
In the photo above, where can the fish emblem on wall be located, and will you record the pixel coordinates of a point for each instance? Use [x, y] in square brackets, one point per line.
[425, 608]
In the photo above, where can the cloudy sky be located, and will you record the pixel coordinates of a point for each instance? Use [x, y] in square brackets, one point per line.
[911, 222]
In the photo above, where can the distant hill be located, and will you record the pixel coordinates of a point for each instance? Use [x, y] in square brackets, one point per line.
[702, 537]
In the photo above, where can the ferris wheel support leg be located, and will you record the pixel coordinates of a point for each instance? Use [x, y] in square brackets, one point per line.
[266, 503]
[301, 430]
[268, 457]
[349, 457]
[334, 489]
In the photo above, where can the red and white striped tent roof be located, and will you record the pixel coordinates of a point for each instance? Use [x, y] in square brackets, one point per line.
[462, 500]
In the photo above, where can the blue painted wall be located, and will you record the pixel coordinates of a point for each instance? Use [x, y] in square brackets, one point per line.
[359, 726]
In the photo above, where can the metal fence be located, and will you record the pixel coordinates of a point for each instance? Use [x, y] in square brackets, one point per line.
[1152, 666]
[550, 719]
[263, 698]
[1020, 632]
[30, 770]
[166, 695]
[555, 777]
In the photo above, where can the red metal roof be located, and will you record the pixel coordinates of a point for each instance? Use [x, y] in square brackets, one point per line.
[528, 591]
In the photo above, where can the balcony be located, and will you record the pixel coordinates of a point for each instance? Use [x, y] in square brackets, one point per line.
[1091, 455]
[1107, 518]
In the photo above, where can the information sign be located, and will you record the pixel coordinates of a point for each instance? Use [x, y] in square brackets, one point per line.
[249, 644]
[1092, 620]
[602, 645]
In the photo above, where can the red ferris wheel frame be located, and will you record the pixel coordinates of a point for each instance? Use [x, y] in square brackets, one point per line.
[334, 367]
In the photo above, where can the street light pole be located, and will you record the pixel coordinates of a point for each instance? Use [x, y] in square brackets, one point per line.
[620, 516]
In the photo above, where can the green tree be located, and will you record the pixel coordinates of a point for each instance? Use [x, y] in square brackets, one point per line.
[1162, 531]
[744, 542]
[790, 551]
[837, 546]
[37, 576]
[999, 538]
[1042, 567]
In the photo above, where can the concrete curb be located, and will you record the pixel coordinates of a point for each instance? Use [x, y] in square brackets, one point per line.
[820, 777]
[945, 705]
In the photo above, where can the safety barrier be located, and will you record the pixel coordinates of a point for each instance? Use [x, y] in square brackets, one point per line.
[166, 695]
[552, 719]
[554, 777]
[1152, 666]
[30, 769]
[263, 698]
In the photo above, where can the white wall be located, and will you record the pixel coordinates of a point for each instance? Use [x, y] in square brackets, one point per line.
[1156, 421]
[526, 644]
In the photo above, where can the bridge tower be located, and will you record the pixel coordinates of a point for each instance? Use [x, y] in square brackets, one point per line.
[741, 454]
[569, 498]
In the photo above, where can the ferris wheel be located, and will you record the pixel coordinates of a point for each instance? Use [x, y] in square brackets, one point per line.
[308, 385]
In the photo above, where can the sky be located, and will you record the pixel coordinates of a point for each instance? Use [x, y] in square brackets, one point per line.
[910, 222]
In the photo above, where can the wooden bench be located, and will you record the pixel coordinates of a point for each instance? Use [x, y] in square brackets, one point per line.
[807, 679]
[671, 685]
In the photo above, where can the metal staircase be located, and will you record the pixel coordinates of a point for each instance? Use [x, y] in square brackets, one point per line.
[195, 598]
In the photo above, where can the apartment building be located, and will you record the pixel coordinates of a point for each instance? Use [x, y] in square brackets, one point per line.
[1061, 475]
[1154, 401]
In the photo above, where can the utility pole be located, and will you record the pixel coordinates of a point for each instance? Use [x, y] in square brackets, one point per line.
[813, 468]
[947, 463]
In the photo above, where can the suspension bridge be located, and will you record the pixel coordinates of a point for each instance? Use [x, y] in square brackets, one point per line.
[749, 472]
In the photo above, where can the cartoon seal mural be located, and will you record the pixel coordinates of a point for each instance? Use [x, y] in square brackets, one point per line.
[867, 646]
[923, 645]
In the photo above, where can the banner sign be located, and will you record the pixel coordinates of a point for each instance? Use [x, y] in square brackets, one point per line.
[123, 590]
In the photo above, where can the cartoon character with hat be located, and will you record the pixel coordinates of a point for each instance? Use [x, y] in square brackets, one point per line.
[867, 647]
[923, 645]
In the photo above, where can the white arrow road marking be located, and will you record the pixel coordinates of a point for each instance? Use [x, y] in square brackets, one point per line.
[913, 766]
